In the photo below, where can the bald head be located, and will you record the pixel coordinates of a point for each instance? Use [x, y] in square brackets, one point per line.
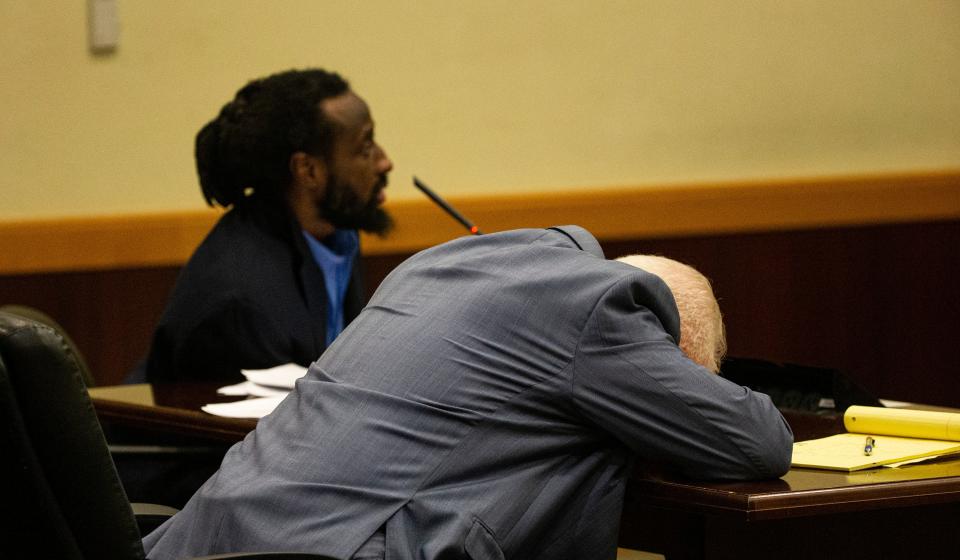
[702, 336]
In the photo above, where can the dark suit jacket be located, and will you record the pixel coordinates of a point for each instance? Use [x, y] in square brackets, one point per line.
[487, 403]
[250, 297]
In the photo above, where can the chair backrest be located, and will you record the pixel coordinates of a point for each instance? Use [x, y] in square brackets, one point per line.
[59, 483]
[35, 314]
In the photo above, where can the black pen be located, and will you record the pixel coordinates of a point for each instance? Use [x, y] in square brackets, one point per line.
[869, 445]
[443, 204]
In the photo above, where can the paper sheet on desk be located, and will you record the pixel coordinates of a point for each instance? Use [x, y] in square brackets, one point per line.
[269, 385]
[249, 408]
[844, 452]
[281, 377]
[249, 388]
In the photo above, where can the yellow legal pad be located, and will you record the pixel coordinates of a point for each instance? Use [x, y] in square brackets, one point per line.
[899, 435]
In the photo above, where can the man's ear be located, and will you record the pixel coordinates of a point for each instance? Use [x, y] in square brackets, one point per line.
[308, 171]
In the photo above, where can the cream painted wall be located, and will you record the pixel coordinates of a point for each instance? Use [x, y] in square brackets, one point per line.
[485, 96]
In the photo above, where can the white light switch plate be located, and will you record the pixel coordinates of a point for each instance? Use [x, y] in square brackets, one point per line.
[104, 23]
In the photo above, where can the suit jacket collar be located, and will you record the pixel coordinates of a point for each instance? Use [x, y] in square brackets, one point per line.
[581, 238]
[279, 221]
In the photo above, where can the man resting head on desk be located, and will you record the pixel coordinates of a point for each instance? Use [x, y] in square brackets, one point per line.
[489, 402]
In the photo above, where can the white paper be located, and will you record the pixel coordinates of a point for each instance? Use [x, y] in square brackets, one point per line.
[249, 408]
[249, 388]
[282, 377]
[894, 404]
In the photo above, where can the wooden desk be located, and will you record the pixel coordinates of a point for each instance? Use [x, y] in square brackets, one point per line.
[912, 512]
[169, 409]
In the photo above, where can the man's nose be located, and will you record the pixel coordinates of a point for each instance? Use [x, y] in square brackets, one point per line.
[384, 165]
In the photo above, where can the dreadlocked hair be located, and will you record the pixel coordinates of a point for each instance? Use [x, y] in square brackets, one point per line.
[244, 153]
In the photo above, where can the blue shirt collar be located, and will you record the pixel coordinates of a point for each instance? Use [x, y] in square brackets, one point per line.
[335, 258]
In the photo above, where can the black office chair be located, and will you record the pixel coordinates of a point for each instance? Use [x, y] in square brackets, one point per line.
[35, 314]
[60, 490]
[151, 467]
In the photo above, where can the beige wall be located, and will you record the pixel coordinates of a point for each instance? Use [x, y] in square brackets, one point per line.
[485, 96]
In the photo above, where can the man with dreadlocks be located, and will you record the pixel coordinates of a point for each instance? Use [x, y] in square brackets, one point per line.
[293, 158]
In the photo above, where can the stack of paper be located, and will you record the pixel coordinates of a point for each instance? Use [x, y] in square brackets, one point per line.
[267, 387]
[249, 408]
[897, 436]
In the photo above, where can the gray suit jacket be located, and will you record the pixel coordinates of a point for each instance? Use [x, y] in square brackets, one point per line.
[487, 403]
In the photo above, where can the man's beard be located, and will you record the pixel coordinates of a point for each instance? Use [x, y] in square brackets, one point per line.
[342, 207]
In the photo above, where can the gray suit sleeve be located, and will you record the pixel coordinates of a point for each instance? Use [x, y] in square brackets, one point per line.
[632, 381]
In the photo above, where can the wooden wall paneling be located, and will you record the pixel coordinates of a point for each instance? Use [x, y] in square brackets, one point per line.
[110, 314]
[878, 303]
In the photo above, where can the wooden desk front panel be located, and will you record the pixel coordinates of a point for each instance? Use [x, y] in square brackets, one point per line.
[915, 533]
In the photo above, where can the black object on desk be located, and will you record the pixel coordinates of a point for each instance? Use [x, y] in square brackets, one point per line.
[797, 387]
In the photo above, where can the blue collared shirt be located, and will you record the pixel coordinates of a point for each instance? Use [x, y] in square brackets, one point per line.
[335, 259]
